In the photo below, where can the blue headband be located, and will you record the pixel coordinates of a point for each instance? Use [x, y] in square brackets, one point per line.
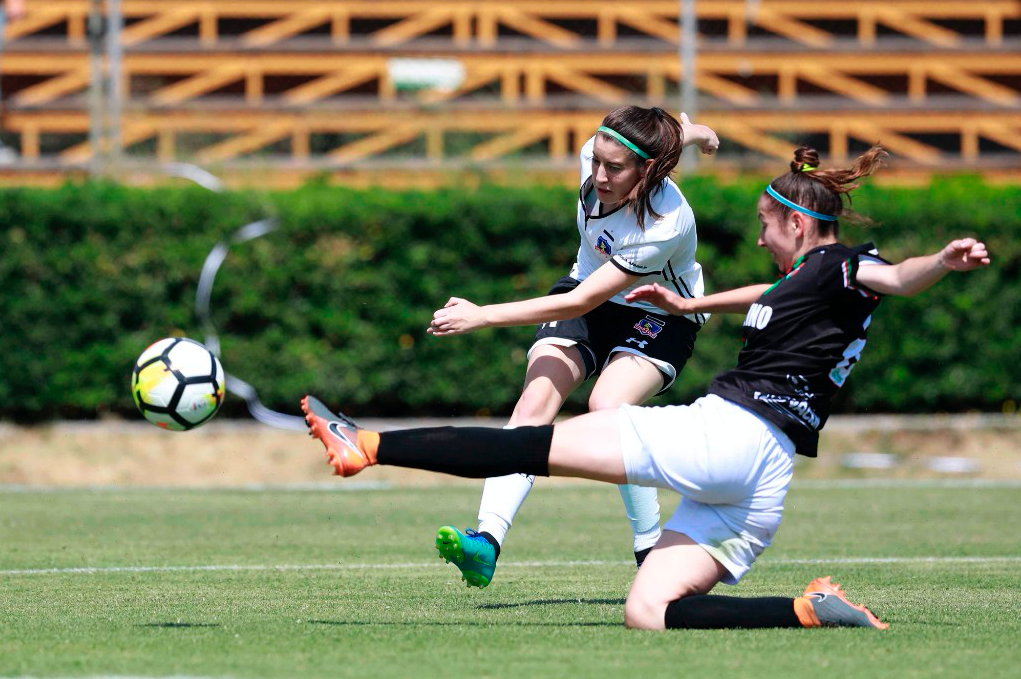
[794, 206]
[623, 140]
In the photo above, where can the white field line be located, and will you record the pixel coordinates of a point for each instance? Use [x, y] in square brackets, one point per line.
[363, 486]
[937, 560]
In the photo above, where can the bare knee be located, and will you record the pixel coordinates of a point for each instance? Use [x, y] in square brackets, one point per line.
[603, 402]
[537, 405]
[643, 613]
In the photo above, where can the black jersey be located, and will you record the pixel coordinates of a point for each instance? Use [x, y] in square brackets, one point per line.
[802, 338]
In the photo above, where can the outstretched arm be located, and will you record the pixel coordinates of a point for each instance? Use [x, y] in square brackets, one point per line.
[919, 273]
[460, 316]
[734, 301]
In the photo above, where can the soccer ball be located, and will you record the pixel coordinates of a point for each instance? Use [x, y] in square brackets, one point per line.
[178, 384]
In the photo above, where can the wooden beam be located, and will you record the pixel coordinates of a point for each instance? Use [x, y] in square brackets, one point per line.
[54, 88]
[716, 86]
[376, 143]
[329, 84]
[199, 84]
[285, 28]
[650, 24]
[418, 24]
[246, 143]
[586, 84]
[785, 25]
[537, 28]
[1001, 133]
[911, 24]
[755, 138]
[33, 22]
[835, 81]
[972, 84]
[473, 80]
[158, 25]
[504, 144]
[130, 134]
[895, 142]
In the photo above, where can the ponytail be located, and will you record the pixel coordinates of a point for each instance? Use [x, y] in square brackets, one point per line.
[820, 193]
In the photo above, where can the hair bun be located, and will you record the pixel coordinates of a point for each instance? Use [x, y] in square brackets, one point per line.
[804, 155]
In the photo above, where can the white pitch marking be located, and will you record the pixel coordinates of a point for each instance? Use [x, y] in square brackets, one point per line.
[951, 560]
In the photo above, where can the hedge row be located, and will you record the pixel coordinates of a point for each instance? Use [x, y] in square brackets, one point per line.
[337, 300]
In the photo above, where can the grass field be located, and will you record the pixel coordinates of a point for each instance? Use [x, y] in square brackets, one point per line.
[347, 584]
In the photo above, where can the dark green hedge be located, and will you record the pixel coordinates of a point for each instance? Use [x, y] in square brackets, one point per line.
[338, 299]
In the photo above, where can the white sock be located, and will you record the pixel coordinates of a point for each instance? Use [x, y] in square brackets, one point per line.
[502, 497]
[642, 506]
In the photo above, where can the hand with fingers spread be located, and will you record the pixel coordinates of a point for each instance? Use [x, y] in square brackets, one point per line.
[657, 295]
[457, 317]
[964, 254]
[699, 135]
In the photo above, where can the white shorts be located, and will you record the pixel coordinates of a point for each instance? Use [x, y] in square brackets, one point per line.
[732, 467]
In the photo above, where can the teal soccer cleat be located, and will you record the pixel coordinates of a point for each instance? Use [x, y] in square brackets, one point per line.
[470, 552]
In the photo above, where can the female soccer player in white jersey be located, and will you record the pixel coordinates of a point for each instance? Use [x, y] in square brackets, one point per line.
[730, 453]
[636, 228]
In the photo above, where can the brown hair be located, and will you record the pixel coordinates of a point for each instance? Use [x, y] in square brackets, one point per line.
[823, 190]
[658, 134]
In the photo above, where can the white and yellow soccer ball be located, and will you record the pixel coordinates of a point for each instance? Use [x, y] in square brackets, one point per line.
[178, 384]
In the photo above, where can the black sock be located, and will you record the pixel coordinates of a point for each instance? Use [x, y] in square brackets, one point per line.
[491, 540]
[641, 554]
[709, 611]
[472, 452]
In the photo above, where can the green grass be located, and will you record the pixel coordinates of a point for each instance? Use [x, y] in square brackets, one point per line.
[382, 605]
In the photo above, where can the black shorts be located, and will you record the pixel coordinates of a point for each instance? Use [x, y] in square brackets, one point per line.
[666, 341]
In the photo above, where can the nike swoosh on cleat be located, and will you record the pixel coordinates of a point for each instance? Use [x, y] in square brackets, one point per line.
[477, 559]
[335, 429]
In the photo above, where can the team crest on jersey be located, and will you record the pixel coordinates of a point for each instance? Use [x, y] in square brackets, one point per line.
[649, 326]
[603, 246]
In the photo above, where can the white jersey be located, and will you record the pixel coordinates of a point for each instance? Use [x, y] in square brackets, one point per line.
[663, 253]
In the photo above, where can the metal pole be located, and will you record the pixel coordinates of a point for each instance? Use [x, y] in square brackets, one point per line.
[114, 53]
[96, 113]
[689, 93]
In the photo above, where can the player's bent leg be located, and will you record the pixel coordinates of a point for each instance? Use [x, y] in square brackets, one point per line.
[632, 379]
[677, 567]
[553, 373]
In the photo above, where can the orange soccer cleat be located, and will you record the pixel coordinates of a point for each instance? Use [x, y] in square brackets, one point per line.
[349, 449]
[825, 605]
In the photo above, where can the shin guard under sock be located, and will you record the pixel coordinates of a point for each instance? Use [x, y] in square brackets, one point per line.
[709, 611]
[472, 452]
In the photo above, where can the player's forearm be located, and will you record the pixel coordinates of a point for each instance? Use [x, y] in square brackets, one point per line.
[735, 301]
[538, 310]
[909, 277]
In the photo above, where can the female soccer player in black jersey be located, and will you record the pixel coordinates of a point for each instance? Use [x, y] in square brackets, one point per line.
[730, 453]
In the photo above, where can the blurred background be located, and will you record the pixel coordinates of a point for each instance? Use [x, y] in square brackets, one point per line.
[398, 152]
[290, 88]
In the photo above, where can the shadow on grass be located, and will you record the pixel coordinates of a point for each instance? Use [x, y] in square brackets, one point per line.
[344, 623]
[170, 625]
[549, 602]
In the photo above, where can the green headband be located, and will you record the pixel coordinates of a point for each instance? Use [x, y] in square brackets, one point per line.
[805, 167]
[623, 140]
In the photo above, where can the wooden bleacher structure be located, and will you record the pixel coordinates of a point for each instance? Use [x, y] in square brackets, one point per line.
[300, 86]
